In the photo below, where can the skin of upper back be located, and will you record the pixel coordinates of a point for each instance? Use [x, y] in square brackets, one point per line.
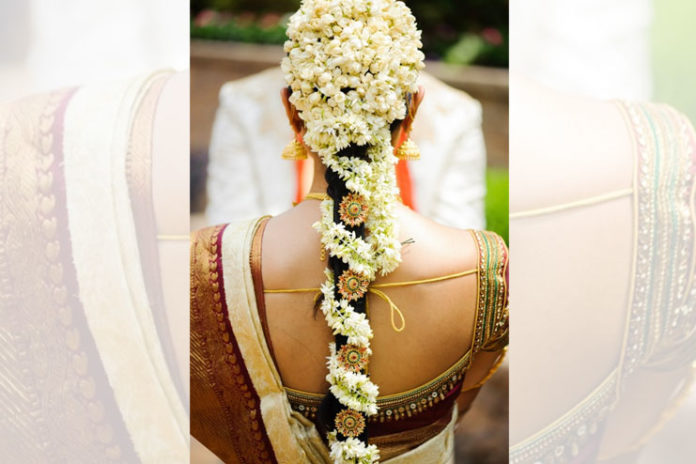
[439, 316]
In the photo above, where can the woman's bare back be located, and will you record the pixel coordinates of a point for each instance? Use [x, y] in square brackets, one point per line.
[439, 316]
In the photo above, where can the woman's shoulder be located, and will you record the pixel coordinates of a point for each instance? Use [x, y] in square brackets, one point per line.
[481, 255]
[450, 246]
[483, 249]
[488, 258]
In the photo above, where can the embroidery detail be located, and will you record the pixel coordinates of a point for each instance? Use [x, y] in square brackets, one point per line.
[491, 329]
[394, 407]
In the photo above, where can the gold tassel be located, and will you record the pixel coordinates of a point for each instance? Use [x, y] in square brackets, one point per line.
[408, 151]
[294, 151]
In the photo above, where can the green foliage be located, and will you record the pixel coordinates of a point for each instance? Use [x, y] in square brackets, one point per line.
[256, 6]
[241, 32]
[673, 63]
[497, 202]
[458, 31]
[446, 23]
[474, 48]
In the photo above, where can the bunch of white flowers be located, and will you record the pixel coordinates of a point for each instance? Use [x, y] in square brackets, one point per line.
[352, 451]
[350, 65]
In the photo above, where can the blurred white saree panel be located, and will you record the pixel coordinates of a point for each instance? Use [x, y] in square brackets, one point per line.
[87, 370]
[88, 362]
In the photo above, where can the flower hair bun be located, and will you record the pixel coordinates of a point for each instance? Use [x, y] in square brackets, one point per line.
[351, 65]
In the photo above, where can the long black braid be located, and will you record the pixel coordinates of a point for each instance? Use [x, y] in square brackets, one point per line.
[336, 189]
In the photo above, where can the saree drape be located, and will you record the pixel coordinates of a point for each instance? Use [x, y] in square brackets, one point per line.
[85, 356]
[239, 409]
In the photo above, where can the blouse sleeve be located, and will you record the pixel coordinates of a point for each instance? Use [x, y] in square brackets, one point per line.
[491, 321]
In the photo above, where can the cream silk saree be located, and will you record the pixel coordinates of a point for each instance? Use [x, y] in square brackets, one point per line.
[239, 409]
[86, 371]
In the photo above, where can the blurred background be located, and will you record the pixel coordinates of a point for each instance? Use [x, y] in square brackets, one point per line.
[674, 54]
[43, 43]
[631, 49]
[466, 46]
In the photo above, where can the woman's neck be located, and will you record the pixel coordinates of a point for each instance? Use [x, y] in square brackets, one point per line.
[319, 184]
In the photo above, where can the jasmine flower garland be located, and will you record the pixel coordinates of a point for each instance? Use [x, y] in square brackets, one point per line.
[350, 65]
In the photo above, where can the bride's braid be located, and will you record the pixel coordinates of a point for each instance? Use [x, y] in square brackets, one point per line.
[350, 65]
[337, 190]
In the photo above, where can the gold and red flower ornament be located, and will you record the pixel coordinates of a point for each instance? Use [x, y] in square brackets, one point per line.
[353, 210]
[352, 286]
[350, 423]
[353, 358]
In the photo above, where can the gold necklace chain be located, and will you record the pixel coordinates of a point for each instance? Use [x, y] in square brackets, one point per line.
[325, 196]
[313, 196]
[317, 196]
